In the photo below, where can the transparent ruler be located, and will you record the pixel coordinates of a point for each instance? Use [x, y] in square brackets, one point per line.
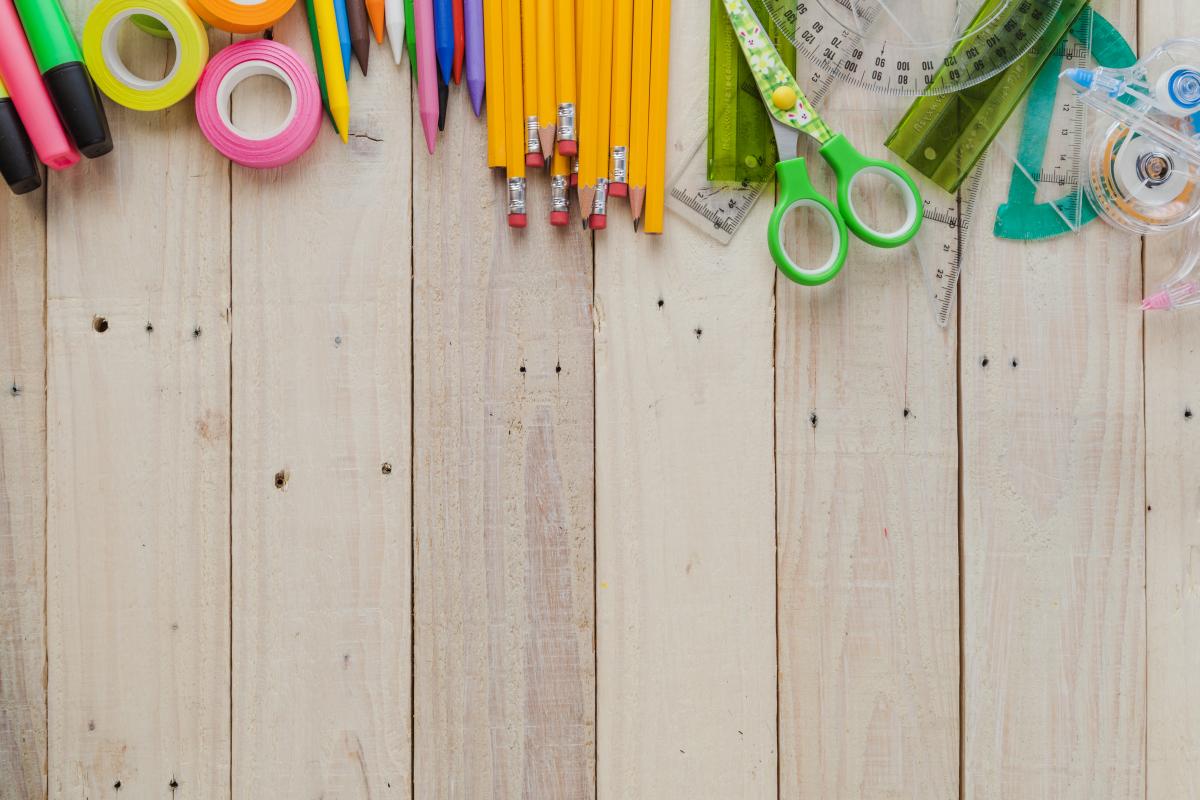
[942, 241]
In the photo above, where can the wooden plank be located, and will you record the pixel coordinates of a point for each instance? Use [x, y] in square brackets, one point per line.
[685, 531]
[138, 461]
[321, 508]
[867, 465]
[504, 657]
[1172, 504]
[23, 494]
[1053, 538]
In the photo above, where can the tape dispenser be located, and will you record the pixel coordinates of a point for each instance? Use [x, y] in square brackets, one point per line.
[1143, 167]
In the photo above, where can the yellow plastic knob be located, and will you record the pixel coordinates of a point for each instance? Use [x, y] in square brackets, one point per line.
[784, 98]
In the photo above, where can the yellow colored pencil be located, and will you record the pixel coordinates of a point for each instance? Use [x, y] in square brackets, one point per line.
[639, 106]
[514, 120]
[564, 82]
[618, 140]
[529, 83]
[589, 93]
[656, 169]
[545, 46]
[599, 218]
[331, 60]
[493, 70]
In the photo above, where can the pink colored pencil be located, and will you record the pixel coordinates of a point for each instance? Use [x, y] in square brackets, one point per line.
[427, 71]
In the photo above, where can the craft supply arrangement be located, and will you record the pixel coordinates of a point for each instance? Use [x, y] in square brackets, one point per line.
[577, 88]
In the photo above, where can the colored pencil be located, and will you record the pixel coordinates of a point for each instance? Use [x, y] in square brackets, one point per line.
[475, 67]
[427, 90]
[343, 30]
[514, 121]
[546, 111]
[316, 46]
[360, 32]
[377, 14]
[639, 106]
[565, 78]
[443, 103]
[599, 217]
[394, 20]
[529, 83]
[589, 93]
[493, 63]
[443, 34]
[331, 58]
[656, 162]
[410, 35]
[618, 164]
[460, 40]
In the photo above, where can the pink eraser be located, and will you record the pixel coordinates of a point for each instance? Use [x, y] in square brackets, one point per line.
[574, 178]
[598, 222]
[534, 160]
[618, 190]
[517, 220]
[559, 219]
[568, 147]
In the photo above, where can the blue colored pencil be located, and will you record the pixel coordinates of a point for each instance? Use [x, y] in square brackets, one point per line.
[443, 37]
[343, 25]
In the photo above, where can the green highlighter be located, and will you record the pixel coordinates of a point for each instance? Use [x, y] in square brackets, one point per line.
[71, 88]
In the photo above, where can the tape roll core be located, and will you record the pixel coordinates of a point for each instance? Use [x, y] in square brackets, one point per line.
[242, 73]
[116, 65]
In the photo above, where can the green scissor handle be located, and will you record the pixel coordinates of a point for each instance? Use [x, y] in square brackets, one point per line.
[796, 191]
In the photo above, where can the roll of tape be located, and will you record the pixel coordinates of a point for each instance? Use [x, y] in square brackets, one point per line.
[246, 60]
[248, 16]
[116, 80]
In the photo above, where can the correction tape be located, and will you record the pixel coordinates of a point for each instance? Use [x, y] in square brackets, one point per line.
[1144, 159]
[1182, 289]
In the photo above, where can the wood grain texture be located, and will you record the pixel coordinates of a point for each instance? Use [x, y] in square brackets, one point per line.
[138, 452]
[23, 495]
[504, 657]
[685, 532]
[1053, 537]
[322, 405]
[1172, 396]
[867, 465]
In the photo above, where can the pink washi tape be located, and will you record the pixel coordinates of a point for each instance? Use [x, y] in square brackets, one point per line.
[246, 60]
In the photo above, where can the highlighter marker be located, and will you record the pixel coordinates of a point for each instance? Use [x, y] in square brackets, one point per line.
[29, 94]
[70, 84]
[18, 164]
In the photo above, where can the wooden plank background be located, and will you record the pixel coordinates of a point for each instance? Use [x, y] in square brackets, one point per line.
[378, 498]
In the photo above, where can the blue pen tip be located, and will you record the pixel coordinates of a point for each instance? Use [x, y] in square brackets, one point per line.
[1080, 77]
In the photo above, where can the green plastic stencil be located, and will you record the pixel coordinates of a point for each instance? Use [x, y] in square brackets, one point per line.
[943, 136]
[741, 144]
[1052, 137]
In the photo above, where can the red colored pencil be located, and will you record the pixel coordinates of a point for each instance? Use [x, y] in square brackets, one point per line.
[460, 41]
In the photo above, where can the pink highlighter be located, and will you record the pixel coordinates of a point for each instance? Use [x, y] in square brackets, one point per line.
[29, 93]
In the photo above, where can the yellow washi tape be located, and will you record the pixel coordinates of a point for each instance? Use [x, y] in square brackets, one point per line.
[116, 80]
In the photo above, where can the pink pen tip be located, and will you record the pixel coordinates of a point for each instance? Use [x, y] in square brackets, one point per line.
[598, 222]
[618, 190]
[568, 148]
[560, 219]
[517, 220]
[1157, 302]
[534, 160]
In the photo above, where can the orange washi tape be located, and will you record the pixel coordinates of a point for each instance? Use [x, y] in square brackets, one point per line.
[243, 17]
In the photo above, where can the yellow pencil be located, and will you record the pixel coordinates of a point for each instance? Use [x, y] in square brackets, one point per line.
[560, 197]
[529, 83]
[639, 107]
[589, 92]
[514, 120]
[618, 167]
[564, 84]
[545, 45]
[331, 60]
[599, 218]
[656, 169]
[493, 70]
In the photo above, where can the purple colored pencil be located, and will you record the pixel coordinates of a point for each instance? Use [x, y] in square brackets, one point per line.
[473, 18]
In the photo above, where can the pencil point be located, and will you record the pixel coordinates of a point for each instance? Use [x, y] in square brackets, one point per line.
[546, 137]
[637, 201]
[635, 225]
[363, 54]
[475, 87]
[587, 196]
[397, 48]
[534, 160]
[568, 147]
[429, 120]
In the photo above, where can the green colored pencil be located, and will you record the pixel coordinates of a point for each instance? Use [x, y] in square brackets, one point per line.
[316, 43]
[410, 33]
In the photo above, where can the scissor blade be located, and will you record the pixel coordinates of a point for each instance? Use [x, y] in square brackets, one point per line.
[787, 140]
[768, 67]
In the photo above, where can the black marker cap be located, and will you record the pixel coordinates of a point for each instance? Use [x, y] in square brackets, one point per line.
[18, 164]
[79, 106]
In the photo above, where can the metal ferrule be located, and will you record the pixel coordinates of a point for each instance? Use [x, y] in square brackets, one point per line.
[558, 194]
[516, 195]
[566, 122]
[620, 165]
[533, 142]
[600, 204]
[575, 165]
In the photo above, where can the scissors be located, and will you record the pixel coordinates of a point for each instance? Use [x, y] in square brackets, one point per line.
[791, 114]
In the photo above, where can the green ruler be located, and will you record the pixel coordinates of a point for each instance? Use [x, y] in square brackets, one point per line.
[741, 144]
[943, 136]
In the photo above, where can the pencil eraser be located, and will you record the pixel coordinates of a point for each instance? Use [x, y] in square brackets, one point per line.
[560, 219]
[598, 222]
[567, 147]
[517, 220]
[534, 160]
[618, 190]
